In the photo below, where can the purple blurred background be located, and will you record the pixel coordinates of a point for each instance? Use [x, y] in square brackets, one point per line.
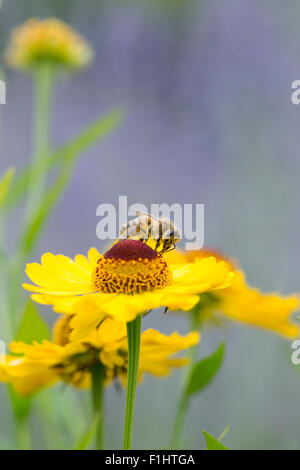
[206, 86]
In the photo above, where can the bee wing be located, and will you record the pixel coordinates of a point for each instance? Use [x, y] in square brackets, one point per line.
[139, 213]
[135, 231]
[123, 229]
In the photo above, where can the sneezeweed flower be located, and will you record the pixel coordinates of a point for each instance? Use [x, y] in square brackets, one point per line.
[49, 40]
[99, 359]
[31, 367]
[242, 303]
[238, 302]
[126, 281]
[129, 279]
[44, 48]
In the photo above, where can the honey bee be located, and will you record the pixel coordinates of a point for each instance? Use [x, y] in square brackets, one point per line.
[146, 226]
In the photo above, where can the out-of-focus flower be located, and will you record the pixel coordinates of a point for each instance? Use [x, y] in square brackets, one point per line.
[34, 366]
[126, 281]
[240, 302]
[48, 40]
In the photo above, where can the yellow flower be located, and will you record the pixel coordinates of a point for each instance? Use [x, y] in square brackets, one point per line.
[126, 281]
[34, 366]
[47, 40]
[243, 303]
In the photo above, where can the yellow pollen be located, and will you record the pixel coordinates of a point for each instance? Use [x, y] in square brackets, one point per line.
[117, 272]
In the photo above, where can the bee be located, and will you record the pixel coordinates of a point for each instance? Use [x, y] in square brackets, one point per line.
[146, 226]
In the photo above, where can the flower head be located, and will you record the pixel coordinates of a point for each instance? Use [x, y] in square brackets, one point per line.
[128, 280]
[34, 366]
[131, 267]
[243, 303]
[48, 40]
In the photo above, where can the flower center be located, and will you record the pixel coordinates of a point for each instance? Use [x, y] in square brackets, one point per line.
[130, 267]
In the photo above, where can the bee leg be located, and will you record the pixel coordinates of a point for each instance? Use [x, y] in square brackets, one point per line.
[162, 251]
[170, 249]
[157, 246]
[147, 313]
[165, 310]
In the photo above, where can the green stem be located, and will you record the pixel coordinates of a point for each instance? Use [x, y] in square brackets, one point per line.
[179, 421]
[183, 402]
[97, 395]
[23, 434]
[134, 341]
[44, 79]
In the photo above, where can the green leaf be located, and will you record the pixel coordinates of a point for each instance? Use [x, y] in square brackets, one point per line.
[71, 150]
[34, 228]
[32, 326]
[212, 443]
[205, 370]
[224, 433]
[87, 438]
[21, 405]
[5, 184]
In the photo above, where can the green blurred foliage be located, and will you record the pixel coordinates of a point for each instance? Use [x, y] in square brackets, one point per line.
[204, 371]
[5, 183]
[212, 443]
[32, 326]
